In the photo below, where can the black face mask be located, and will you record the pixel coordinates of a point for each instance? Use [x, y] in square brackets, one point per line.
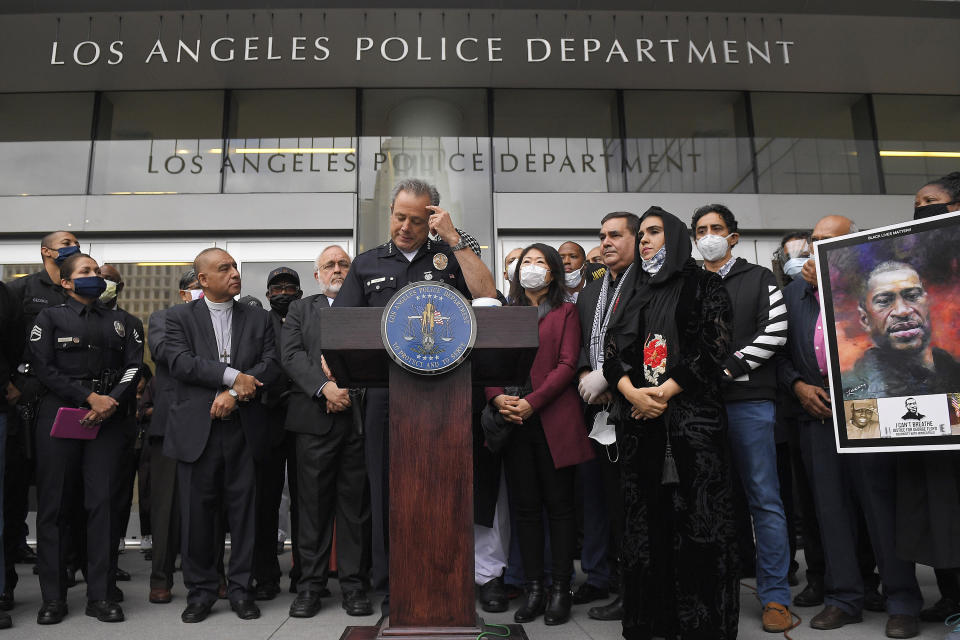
[930, 210]
[281, 302]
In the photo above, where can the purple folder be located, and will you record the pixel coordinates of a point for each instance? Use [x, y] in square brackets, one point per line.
[67, 425]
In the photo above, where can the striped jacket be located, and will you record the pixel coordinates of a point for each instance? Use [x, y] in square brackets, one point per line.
[759, 331]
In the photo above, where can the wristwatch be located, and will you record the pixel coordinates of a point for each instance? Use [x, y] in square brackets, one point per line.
[463, 244]
[233, 392]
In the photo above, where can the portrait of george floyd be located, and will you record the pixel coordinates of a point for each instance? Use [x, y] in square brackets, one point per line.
[891, 304]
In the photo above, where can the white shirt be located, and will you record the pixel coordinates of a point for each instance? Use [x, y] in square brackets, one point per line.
[221, 316]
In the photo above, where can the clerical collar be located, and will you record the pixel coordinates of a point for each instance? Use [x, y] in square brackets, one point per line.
[220, 306]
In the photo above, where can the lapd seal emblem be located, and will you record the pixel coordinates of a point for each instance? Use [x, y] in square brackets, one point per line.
[428, 328]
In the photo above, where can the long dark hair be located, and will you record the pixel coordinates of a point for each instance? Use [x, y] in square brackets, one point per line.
[556, 290]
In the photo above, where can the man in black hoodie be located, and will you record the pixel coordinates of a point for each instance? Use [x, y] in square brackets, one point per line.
[749, 392]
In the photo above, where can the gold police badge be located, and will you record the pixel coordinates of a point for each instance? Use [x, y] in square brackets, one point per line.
[440, 261]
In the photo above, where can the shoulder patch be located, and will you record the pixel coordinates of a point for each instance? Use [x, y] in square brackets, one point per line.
[36, 333]
[118, 327]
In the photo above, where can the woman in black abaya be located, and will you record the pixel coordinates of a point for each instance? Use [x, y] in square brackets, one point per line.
[663, 358]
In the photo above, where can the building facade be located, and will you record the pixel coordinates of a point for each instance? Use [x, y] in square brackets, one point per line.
[273, 130]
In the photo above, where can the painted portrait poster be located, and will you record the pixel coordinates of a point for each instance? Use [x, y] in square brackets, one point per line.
[891, 304]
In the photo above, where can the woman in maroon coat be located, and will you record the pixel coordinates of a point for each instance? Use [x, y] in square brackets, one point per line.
[549, 438]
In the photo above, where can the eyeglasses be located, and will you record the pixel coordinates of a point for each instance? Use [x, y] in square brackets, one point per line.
[276, 289]
[329, 266]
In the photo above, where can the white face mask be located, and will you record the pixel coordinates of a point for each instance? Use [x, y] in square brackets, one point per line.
[794, 266]
[195, 294]
[712, 247]
[512, 268]
[533, 277]
[604, 432]
[573, 278]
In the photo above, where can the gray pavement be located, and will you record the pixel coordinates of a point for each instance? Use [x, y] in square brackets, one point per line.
[147, 621]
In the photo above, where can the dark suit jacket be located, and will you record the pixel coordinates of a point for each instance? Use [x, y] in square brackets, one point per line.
[300, 358]
[163, 388]
[554, 397]
[587, 308]
[191, 353]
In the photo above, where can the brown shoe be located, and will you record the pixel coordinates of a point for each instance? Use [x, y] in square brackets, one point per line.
[902, 626]
[833, 618]
[160, 596]
[776, 618]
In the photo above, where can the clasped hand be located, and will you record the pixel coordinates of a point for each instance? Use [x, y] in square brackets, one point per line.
[101, 408]
[246, 386]
[513, 408]
[647, 402]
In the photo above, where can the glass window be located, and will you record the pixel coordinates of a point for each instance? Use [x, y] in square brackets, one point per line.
[814, 143]
[556, 140]
[155, 142]
[919, 139]
[687, 142]
[291, 141]
[438, 135]
[45, 143]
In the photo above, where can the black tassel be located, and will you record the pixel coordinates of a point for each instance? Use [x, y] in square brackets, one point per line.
[670, 476]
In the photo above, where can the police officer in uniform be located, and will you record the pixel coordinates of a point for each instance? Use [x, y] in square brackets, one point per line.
[85, 356]
[31, 294]
[411, 255]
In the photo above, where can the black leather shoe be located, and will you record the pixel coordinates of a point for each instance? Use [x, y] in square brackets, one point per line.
[943, 609]
[833, 618]
[266, 591]
[246, 609]
[558, 609]
[588, 593]
[305, 605]
[5, 620]
[535, 603]
[115, 594]
[811, 596]
[121, 575]
[902, 626]
[493, 596]
[6, 600]
[356, 603]
[612, 611]
[52, 612]
[104, 611]
[196, 612]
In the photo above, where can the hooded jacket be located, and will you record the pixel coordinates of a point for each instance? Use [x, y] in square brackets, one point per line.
[759, 332]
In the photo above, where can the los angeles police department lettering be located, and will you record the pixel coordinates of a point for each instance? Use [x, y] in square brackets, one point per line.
[421, 49]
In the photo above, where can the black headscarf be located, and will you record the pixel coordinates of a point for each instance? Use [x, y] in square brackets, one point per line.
[679, 251]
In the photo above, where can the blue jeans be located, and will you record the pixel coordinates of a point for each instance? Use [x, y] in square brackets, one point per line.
[755, 454]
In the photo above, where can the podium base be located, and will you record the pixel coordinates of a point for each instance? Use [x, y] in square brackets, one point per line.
[384, 632]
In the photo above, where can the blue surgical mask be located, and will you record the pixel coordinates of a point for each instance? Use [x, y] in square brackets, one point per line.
[794, 266]
[652, 266]
[65, 252]
[89, 287]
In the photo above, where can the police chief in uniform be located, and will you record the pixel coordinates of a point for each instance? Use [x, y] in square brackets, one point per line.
[30, 294]
[85, 356]
[410, 255]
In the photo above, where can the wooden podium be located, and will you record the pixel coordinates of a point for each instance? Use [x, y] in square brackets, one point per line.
[431, 468]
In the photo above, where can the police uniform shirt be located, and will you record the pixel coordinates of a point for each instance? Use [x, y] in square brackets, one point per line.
[377, 274]
[73, 343]
[33, 294]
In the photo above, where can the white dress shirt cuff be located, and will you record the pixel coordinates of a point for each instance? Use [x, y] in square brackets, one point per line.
[230, 376]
